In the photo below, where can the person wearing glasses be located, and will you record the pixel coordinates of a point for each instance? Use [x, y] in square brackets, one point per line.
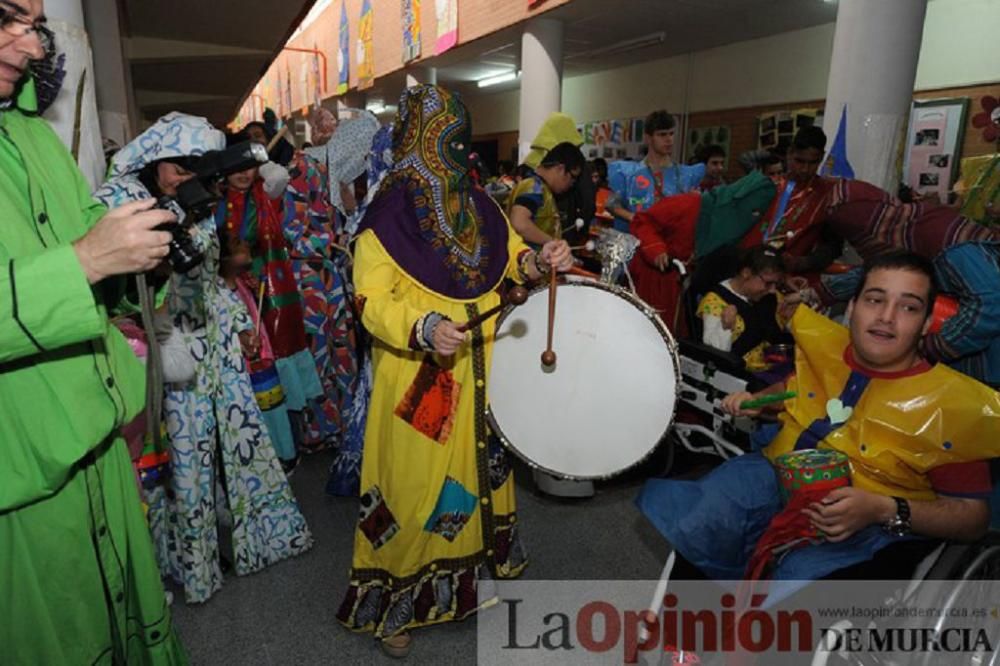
[79, 579]
[735, 315]
[532, 210]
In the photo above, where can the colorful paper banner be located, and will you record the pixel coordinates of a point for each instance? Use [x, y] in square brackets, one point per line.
[447, 25]
[411, 30]
[365, 46]
[344, 52]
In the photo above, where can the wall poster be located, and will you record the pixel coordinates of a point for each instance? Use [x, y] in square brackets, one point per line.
[700, 138]
[934, 145]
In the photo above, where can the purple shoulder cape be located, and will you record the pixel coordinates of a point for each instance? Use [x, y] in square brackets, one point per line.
[394, 220]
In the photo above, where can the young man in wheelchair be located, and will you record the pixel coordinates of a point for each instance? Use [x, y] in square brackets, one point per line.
[918, 438]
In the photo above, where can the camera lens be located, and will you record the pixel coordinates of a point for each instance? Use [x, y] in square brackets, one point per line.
[182, 253]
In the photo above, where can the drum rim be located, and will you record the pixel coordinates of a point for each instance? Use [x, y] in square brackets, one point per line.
[661, 328]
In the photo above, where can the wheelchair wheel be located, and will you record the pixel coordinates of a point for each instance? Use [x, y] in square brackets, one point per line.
[967, 566]
[971, 564]
[825, 657]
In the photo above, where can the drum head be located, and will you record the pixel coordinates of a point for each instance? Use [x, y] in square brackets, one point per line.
[608, 400]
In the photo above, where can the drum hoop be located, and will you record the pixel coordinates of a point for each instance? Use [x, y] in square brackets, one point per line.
[671, 347]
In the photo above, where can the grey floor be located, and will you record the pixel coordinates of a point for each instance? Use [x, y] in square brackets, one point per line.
[285, 614]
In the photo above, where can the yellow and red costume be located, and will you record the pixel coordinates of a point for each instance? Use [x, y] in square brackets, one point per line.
[917, 434]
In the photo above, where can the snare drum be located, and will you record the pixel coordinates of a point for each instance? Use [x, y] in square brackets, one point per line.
[609, 399]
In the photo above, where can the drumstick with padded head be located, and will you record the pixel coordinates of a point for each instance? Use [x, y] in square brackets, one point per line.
[515, 296]
[549, 356]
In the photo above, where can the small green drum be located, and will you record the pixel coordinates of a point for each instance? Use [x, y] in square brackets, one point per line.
[812, 469]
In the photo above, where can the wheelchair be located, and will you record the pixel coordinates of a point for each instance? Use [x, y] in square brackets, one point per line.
[968, 566]
[706, 376]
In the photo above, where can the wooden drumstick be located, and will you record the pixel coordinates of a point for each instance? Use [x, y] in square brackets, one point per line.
[276, 138]
[515, 296]
[260, 304]
[549, 356]
[576, 270]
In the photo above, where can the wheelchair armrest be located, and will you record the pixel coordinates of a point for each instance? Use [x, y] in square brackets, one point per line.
[725, 361]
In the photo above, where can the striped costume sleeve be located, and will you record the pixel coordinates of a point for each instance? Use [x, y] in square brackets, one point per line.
[969, 271]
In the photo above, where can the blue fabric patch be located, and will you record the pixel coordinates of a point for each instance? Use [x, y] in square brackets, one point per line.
[454, 507]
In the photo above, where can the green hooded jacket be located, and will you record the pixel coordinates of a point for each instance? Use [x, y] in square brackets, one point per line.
[80, 583]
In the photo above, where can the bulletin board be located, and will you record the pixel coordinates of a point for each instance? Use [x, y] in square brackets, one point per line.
[934, 145]
[776, 129]
[700, 138]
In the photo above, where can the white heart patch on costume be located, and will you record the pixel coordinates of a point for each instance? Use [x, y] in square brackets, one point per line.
[837, 411]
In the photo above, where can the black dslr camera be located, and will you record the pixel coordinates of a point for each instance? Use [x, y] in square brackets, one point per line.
[197, 197]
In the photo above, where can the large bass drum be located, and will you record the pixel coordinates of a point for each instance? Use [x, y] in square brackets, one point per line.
[610, 397]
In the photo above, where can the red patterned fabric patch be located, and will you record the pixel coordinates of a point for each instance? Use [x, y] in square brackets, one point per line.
[376, 520]
[430, 403]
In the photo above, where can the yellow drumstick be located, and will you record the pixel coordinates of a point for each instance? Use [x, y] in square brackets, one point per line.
[260, 305]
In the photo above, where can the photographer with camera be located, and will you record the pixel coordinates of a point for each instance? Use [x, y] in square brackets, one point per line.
[80, 583]
[213, 421]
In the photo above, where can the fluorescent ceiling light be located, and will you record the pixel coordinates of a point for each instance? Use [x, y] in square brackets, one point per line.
[378, 108]
[498, 79]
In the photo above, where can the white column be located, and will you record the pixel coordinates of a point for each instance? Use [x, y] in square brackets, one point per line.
[70, 11]
[541, 78]
[876, 47]
[114, 81]
[74, 114]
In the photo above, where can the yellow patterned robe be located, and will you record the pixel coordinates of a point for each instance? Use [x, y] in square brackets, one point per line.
[437, 506]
